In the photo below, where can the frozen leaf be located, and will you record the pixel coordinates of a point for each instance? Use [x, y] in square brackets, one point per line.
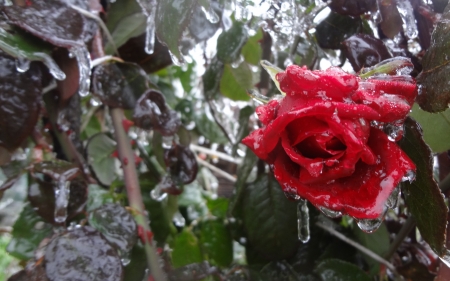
[423, 196]
[434, 89]
[338, 270]
[181, 163]
[364, 50]
[82, 254]
[236, 81]
[186, 249]
[119, 84]
[252, 50]
[99, 151]
[171, 20]
[53, 21]
[209, 128]
[334, 29]
[97, 197]
[212, 77]
[216, 242]
[117, 226]
[230, 43]
[200, 27]
[20, 102]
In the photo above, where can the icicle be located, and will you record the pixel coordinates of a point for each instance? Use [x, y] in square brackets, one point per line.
[150, 33]
[62, 193]
[84, 68]
[303, 221]
[211, 16]
[392, 200]
[175, 60]
[394, 131]
[330, 213]
[407, 13]
[370, 225]
[54, 69]
[22, 64]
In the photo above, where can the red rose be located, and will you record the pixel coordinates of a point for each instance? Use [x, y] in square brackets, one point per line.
[320, 142]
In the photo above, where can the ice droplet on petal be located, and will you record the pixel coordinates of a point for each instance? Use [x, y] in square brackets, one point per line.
[178, 220]
[370, 225]
[84, 68]
[409, 176]
[22, 64]
[303, 221]
[392, 200]
[211, 16]
[330, 213]
[407, 14]
[62, 193]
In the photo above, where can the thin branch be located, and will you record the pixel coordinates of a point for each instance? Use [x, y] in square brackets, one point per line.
[218, 154]
[126, 157]
[213, 113]
[358, 246]
[103, 59]
[217, 170]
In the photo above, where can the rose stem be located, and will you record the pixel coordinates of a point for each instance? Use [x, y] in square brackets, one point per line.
[126, 157]
[410, 223]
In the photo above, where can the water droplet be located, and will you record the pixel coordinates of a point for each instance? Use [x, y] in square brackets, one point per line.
[288, 62]
[22, 64]
[369, 225]
[124, 258]
[394, 131]
[156, 193]
[84, 68]
[377, 124]
[54, 69]
[303, 221]
[167, 142]
[63, 123]
[409, 176]
[392, 200]
[62, 193]
[330, 213]
[237, 62]
[211, 16]
[178, 220]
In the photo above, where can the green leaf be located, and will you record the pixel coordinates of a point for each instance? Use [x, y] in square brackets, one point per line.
[172, 18]
[423, 196]
[97, 197]
[212, 78]
[252, 51]
[218, 207]
[209, 129]
[434, 126]
[271, 221]
[334, 29]
[433, 80]
[338, 270]
[216, 242]
[186, 249]
[28, 232]
[236, 81]
[230, 43]
[99, 150]
[124, 21]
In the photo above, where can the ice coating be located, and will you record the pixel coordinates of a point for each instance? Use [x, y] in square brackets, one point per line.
[332, 140]
[407, 13]
[149, 9]
[62, 193]
[84, 67]
[303, 221]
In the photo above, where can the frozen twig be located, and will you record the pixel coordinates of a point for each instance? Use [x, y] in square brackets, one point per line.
[215, 169]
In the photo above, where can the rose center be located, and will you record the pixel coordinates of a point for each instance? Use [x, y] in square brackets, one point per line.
[313, 148]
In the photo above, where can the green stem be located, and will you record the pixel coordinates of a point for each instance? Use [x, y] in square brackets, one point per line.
[126, 157]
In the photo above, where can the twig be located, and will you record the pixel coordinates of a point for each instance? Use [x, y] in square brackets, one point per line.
[215, 169]
[126, 157]
[218, 154]
[103, 59]
[213, 113]
[358, 246]
[5, 229]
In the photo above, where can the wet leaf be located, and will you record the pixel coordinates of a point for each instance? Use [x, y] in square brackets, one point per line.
[152, 113]
[334, 29]
[209, 128]
[216, 242]
[236, 81]
[171, 20]
[434, 126]
[97, 197]
[69, 86]
[186, 249]
[338, 270]
[99, 151]
[434, 94]
[364, 50]
[279, 270]
[200, 27]
[181, 163]
[28, 232]
[352, 7]
[252, 50]
[53, 21]
[124, 21]
[230, 43]
[56, 169]
[119, 84]
[212, 77]
[116, 224]
[423, 196]
[192, 272]
[392, 22]
[271, 222]
[218, 207]
[82, 254]
[20, 102]
[136, 269]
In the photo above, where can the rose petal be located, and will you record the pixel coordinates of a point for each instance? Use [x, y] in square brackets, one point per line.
[255, 142]
[267, 112]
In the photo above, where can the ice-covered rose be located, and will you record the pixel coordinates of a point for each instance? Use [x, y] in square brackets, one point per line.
[324, 139]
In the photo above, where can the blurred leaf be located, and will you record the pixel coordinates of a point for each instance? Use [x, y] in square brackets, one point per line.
[28, 232]
[209, 128]
[236, 81]
[20, 102]
[338, 270]
[52, 21]
[212, 78]
[353, 8]
[244, 116]
[192, 272]
[423, 196]
[434, 126]
[136, 269]
[364, 50]
[119, 84]
[439, 5]
[99, 151]
[117, 226]
[82, 254]
[98, 196]
[230, 43]
[200, 27]
[271, 221]
[218, 207]
[186, 76]
[216, 242]
[280, 271]
[391, 23]
[181, 164]
[434, 90]
[252, 51]
[334, 29]
[124, 21]
[186, 249]
[172, 18]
